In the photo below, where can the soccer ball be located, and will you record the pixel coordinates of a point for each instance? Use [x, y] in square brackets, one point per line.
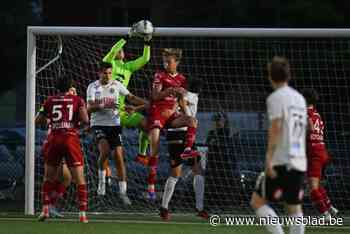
[144, 27]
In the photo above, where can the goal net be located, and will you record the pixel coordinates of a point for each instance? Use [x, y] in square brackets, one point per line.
[232, 120]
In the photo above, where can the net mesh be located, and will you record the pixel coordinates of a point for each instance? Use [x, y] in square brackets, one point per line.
[233, 73]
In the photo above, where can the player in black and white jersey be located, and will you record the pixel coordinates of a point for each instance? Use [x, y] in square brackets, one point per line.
[285, 163]
[102, 103]
[176, 138]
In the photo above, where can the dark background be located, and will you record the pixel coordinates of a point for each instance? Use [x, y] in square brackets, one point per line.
[16, 15]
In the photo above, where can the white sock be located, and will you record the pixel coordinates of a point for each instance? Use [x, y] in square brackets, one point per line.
[168, 191]
[102, 176]
[122, 187]
[266, 211]
[297, 229]
[198, 186]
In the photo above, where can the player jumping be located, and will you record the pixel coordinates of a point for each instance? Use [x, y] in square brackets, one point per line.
[168, 85]
[318, 157]
[102, 98]
[64, 111]
[176, 144]
[122, 71]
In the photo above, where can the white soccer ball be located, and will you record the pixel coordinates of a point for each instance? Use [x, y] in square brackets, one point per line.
[144, 27]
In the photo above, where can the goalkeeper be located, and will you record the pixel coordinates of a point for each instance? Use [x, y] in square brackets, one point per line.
[122, 71]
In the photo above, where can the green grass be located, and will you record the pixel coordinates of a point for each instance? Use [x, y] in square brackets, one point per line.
[31, 226]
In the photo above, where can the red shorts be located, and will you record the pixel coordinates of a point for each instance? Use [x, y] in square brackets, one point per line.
[159, 117]
[318, 159]
[65, 146]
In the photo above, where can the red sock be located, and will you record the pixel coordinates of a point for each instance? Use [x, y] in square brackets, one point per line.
[190, 137]
[60, 190]
[153, 161]
[82, 197]
[317, 199]
[47, 188]
[152, 175]
[325, 197]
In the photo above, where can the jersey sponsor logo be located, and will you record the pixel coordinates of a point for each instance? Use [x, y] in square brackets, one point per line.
[316, 137]
[62, 100]
[97, 95]
[60, 125]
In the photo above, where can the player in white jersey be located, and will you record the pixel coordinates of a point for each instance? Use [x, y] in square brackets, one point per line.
[285, 163]
[102, 102]
[176, 145]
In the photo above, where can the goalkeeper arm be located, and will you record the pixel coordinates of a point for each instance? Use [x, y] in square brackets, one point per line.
[114, 50]
[138, 63]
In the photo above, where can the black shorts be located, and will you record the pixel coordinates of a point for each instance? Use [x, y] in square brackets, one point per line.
[288, 186]
[176, 146]
[113, 134]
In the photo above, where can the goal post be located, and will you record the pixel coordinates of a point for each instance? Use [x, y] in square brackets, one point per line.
[235, 56]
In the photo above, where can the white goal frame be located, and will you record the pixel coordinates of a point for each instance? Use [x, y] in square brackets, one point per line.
[32, 70]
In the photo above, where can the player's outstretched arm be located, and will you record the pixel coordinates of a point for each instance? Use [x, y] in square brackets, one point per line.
[138, 63]
[114, 50]
[136, 100]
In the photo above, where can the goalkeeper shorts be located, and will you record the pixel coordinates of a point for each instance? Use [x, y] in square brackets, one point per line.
[130, 120]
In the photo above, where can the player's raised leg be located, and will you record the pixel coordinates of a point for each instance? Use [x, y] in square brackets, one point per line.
[191, 124]
[142, 157]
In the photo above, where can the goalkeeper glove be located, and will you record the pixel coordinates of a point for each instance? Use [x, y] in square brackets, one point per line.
[147, 38]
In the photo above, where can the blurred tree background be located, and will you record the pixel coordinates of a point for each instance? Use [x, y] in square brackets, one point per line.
[16, 15]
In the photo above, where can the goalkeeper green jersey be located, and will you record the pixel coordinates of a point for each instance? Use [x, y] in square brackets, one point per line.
[122, 71]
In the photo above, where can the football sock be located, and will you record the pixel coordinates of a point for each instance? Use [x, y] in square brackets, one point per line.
[198, 186]
[168, 191]
[82, 197]
[47, 189]
[122, 187]
[143, 143]
[320, 200]
[190, 137]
